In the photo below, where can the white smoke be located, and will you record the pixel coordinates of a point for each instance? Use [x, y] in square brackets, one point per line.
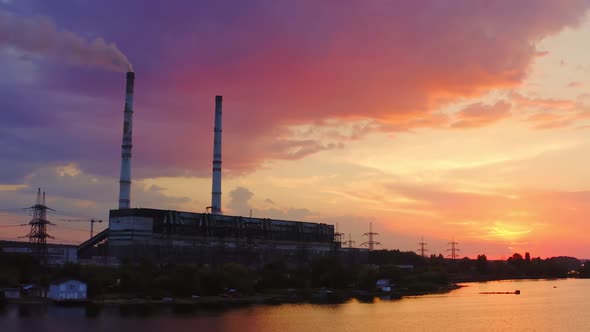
[39, 35]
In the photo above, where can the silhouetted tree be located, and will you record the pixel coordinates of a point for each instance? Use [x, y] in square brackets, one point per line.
[482, 264]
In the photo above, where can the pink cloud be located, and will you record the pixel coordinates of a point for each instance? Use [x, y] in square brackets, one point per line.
[395, 64]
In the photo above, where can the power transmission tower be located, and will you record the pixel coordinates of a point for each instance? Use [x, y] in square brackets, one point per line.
[350, 242]
[371, 243]
[422, 250]
[453, 249]
[38, 233]
[337, 235]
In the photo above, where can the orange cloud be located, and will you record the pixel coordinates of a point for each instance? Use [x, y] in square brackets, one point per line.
[480, 115]
[394, 64]
[524, 101]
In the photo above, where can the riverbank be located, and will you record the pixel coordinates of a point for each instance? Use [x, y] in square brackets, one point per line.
[277, 297]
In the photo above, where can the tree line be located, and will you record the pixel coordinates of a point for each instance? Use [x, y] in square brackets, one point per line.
[407, 271]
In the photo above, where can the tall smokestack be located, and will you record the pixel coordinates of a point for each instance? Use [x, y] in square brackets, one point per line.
[125, 179]
[216, 192]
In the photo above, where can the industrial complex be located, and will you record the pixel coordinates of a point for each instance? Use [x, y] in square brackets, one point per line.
[211, 237]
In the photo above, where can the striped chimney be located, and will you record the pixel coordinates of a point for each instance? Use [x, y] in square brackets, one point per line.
[216, 192]
[125, 178]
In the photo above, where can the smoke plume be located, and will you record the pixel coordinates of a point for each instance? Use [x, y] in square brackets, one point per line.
[39, 35]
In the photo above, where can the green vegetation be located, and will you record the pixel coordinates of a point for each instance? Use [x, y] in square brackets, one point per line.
[585, 270]
[407, 272]
[516, 267]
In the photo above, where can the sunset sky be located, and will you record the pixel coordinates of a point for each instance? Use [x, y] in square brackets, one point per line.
[444, 119]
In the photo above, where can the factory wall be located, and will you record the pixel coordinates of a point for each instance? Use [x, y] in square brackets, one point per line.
[207, 238]
[57, 254]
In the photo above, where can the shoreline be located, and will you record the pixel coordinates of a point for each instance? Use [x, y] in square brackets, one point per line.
[220, 302]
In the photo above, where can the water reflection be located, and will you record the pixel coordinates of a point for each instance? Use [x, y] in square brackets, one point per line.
[550, 305]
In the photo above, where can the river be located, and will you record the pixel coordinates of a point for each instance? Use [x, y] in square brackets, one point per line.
[543, 305]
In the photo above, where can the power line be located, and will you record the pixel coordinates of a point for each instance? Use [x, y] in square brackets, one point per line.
[69, 214]
[91, 221]
[8, 238]
[13, 210]
[70, 228]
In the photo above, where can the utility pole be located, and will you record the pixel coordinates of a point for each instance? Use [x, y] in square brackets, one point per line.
[38, 233]
[371, 243]
[422, 250]
[350, 242]
[91, 221]
[453, 249]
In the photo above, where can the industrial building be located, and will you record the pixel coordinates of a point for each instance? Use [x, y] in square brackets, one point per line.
[56, 254]
[166, 235]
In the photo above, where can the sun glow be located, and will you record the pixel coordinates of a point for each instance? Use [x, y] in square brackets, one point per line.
[507, 231]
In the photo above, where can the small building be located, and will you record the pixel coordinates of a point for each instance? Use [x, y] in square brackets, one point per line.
[11, 293]
[406, 267]
[32, 290]
[57, 254]
[67, 290]
[383, 285]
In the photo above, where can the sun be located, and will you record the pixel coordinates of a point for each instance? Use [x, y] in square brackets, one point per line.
[506, 231]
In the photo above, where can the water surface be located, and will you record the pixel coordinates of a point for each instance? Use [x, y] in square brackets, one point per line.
[543, 305]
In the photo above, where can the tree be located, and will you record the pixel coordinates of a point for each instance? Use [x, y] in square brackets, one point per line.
[237, 276]
[391, 272]
[516, 261]
[366, 278]
[482, 264]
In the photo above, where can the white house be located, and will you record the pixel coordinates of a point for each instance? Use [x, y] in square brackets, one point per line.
[67, 290]
[383, 285]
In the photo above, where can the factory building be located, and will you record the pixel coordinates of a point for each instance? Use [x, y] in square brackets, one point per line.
[166, 235]
[204, 238]
[57, 254]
